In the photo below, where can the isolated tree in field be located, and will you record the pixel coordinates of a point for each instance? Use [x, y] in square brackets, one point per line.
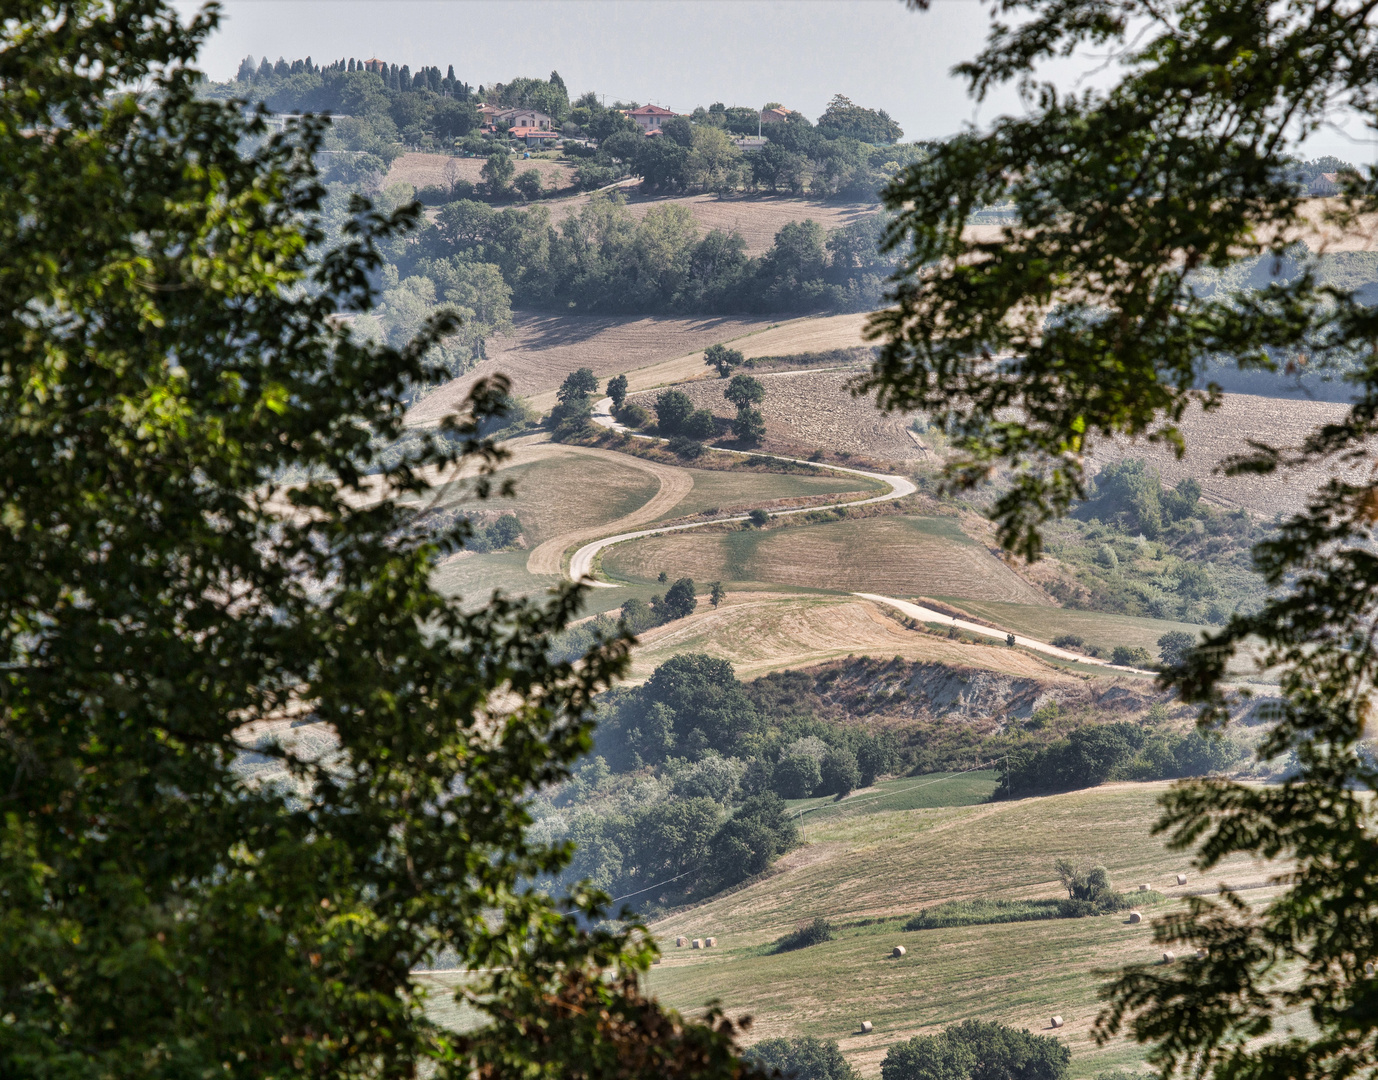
[617, 390]
[497, 174]
[1174, 646]
[169, 336]
[1120, 199]
[722, 359]
[679, 599]
[744, 392]
[718, 594]
[570, 419]
[529, 185]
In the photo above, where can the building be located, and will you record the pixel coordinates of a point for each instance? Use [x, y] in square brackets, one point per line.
[378, 67]
[750, 144]
[533, 136]
[776, 116]
[1328, 183]
[650, 117]
[490, 116]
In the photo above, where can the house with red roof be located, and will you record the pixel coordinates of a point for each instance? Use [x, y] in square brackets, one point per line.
[650, 117]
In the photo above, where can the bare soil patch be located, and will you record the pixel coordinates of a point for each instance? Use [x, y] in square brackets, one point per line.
[423, 170]
[1212, 437]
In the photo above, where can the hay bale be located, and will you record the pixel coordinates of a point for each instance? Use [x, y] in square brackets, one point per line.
[1143, 888]
[1181, 879]
[709, 942]
[1135, 917]
[897, 951]
[680, 942]
[698, 943]
[1169, 957]
[866, 1027]
[1056, 1021]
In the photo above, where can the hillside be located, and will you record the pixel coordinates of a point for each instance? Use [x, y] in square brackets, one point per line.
[865, 871]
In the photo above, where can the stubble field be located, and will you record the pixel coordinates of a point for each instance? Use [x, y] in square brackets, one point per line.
[422, 170]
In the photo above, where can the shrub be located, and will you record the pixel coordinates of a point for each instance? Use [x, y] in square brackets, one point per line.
[759, 518]
[1174, 646]
[699, 425]
[684, 447]
[977, 1050]
[633, 415]
[1068, 641]
[804, 1058]
[804, 935]
[1126, 656]
[983, 912]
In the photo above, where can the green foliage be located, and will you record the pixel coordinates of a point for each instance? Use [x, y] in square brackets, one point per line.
[804, 935]
[497, 173]
[743, 391]
[528, 185]
[633, 415]
[759, 518]
[797, 776]
[679, 599]
[1174, 646]
[838, 772]
[617, 390]
[189, 889]
[501, 535]
[673, 409]
[803, 1058]
[977, 1050]
[1131, 656]
[572, 418]
[983, 912]
[842, 117]
[717, 594]
[722, 359]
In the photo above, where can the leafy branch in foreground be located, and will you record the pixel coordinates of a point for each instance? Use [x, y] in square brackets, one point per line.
[1080, 321]
[170, 346]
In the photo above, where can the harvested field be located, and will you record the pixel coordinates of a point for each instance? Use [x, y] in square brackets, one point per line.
[559, 488]
[1098, 628]
[770, 631]
[815, 409]
[743, 490]
[757, 217]
[1214, 436]
[423, 170]
[888, 865]
[543, 349]
[892, 556]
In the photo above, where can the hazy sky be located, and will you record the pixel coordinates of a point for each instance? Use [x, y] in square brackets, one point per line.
[675, 53]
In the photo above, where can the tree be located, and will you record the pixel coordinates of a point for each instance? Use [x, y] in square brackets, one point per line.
[617, 390]
[713, 161]
[718, 594]
[759, 518]
[662, 164]
[497, 173]
[1135, 656]
[679, 599]
[1121, 198]
[673, 408]
[804, 1058]
[172, 350]
[838, 772]
[722, 359]
[797, 776]
[977, 1050]
[529, 185]
[842, 117]
[577, 385]
[675, 128]
[744, 391]
[1174, 646]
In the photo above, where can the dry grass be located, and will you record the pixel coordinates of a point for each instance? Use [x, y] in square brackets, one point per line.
[815, 409]
[1212, 437]
[543, 349]
[423, 170]
[739, 490]
[762, 631]
[757, 217]
[893, 556]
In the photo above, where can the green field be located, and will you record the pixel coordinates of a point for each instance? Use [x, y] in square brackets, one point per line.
[907, 793]
[718, 490]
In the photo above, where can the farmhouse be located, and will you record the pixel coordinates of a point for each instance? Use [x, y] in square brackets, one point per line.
[650, 117]
[776, 116]
[533, 136]
[493, 115]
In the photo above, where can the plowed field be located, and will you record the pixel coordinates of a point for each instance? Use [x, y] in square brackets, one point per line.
[815, 409]
[893, 556]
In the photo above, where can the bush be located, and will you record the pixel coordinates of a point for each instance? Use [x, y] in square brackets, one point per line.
[499, 536]
[804, 935]
[759, 518]
[699, 425]
[1174, 646]
[805, 1058]
[1068, 641]
[1125, 656]
[633, 415]
[983, 912]
[796, 776]
[673, 409]
[685, 448]
[977, 1050]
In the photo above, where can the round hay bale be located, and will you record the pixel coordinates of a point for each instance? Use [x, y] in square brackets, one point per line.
[866, 1027]
[897, 951]
[709, 942]
[1169, 957]
[1056, 1021]
[1143, 888]
[1135, 917]
[1181, 879]
[680, 942]
[698, 943]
